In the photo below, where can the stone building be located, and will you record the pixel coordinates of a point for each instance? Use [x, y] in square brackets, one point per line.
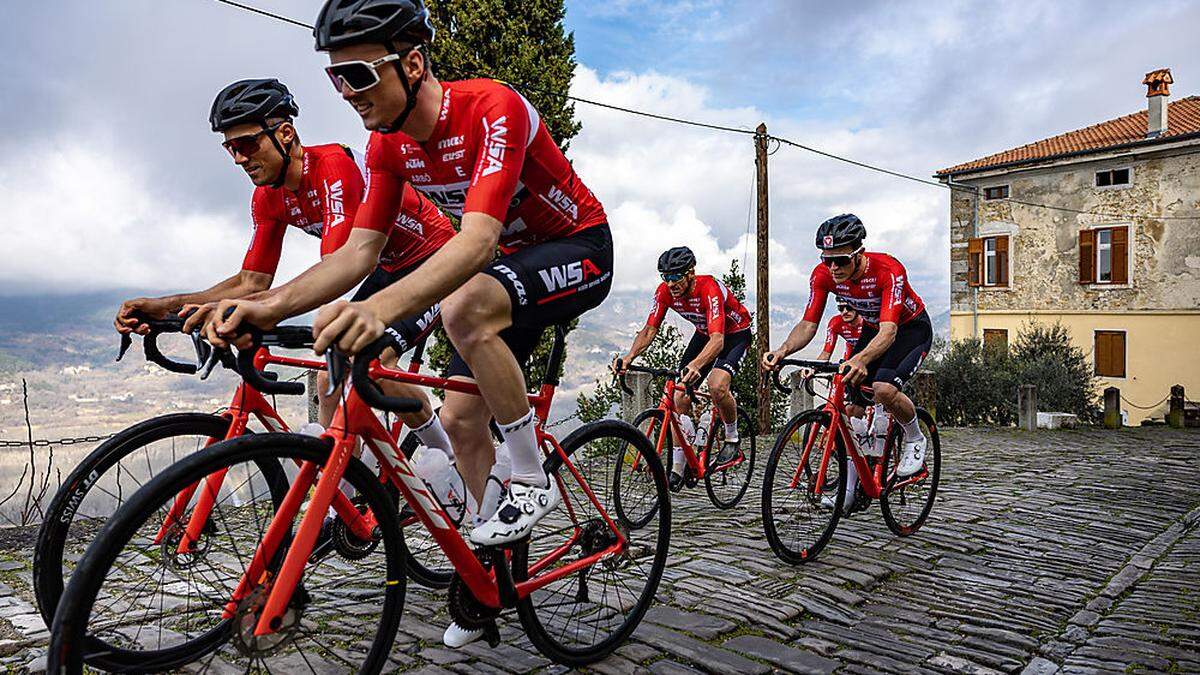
[1097, 229]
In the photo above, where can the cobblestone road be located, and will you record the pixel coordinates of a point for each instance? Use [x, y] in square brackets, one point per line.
[1071, 551]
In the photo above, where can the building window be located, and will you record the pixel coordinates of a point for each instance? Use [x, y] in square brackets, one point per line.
[987, 261]
[1110, 353]
[995, 339]
[995, 192]
[1104, 255]
[1112, 178]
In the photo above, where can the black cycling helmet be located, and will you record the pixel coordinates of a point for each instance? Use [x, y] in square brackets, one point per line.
[676, 260]
[842, 230]
[343, 23]
[256, 101]
[251, 101]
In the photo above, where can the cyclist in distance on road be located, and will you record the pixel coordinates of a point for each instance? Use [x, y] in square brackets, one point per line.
[714, 352]
[896, 334]
[482, 152]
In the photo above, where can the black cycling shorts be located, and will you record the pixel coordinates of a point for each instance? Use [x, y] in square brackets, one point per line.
[730, 358]
[549, 283]
[405, 333]
[901, 360]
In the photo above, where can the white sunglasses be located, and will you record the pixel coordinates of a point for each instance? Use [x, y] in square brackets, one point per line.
[358, 76]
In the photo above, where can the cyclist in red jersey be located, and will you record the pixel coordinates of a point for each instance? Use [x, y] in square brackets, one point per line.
[714, 352]
[480, 150]
[846, 324]
[896, 335]
[315, 188]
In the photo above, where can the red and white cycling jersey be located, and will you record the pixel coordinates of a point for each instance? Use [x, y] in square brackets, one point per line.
[847, 331]
[881, 294]
[491, 153]
[331, 188]
[710, 306]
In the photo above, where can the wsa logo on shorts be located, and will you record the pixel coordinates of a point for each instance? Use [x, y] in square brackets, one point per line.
[571, 274]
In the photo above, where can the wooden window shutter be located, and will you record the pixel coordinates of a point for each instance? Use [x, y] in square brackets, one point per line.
[1120, 256]
[1118, 354]
[1002, 261]
[1101, 351]
[1110, 353]
[975, 262]
[1087, 256]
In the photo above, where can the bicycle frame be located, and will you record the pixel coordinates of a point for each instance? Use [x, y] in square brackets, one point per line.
[355, 419]
[697, 460]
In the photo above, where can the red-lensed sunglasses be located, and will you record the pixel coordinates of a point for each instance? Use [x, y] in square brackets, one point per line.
[249, 144]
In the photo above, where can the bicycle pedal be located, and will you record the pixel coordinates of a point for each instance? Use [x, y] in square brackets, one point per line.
[491, 633]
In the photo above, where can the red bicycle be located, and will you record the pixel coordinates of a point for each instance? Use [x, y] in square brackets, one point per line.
[580, 583]
[726, 483]
[808, 464]
[111, 473]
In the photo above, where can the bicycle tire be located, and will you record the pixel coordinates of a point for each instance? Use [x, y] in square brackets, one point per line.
[795, 555]
[714, 479]
[892, 501]
[69, 649]
[530, 611]
[49, 550]
[624, 467]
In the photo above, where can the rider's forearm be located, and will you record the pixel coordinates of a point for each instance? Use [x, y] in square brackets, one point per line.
[329, 279]
[824, 356]
[461, 258]
[712, 348]
[642, 341]
[802, 333]
[880, 343]
[239, 285]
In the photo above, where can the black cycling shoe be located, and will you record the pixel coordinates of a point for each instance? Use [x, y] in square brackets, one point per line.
[729, 452]
[675, 482]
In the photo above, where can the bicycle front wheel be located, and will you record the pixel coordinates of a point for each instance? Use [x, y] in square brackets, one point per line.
[634, 475]
[151, 601]
[800, 509]
[584, 615]
[727, 483]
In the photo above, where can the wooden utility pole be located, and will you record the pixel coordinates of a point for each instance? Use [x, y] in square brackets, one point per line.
[763, 300]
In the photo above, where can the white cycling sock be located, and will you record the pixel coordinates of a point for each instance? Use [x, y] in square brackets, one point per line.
[731, 432]
[433, 435]
[522, 446]
[678, 461]
[688, 427]
[912, 430]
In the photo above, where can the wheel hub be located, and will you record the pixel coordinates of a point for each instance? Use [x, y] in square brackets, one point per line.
[245, 619]
[169, 547]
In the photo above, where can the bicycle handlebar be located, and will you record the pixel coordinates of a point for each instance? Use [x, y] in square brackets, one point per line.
[822, 367]
[287, 337]
[654, 372]
[368, 390]
[150, 344]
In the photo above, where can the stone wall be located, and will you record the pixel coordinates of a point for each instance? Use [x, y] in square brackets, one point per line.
[1044, 245]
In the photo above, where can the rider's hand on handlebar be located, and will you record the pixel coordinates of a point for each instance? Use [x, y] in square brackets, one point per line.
[351, 326]
[619, 364]
[690, 375]
[853, 371]
[195, 316]
[770, 360]
[126, 323]
[806, 373]
[221, 328]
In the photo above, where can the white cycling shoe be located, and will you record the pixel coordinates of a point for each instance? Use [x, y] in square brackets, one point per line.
[456, 636]
[523, 506]
[913, 457]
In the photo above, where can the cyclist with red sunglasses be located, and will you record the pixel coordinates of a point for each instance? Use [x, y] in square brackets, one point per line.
[714, 352]
[896, 334]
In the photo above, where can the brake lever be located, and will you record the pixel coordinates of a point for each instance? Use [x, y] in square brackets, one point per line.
[126, 343]
[210, 362]
[337, 365]
[203, 349]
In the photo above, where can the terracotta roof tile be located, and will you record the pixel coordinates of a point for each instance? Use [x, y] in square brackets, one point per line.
[1183, 118]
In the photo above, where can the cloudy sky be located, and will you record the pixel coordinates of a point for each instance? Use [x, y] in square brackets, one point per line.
[109, 176]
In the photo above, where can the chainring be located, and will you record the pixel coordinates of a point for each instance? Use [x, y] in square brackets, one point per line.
[347, 545]
[465, 610]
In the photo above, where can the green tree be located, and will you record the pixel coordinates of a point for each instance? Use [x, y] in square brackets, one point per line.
[524, 43]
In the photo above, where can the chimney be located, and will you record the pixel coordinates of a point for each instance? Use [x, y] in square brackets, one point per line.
[1157, 92]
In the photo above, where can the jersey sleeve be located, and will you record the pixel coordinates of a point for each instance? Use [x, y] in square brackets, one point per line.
[891, 295]
[266, 239]
[503, 126]
[341, 186]
[818, 293]
[383, 194]
[714, 308]
[831, 334]
[658, 308]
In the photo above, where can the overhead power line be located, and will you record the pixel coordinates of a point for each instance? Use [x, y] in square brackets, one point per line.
[777, 139]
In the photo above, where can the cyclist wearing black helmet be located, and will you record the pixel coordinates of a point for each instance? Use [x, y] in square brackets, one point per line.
[714, 352]
[896, 334]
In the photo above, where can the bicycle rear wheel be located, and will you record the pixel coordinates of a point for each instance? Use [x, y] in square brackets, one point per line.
[798, 519]
[727, 484]
[151, 602]
[907, 502]
[583, 616]
[100, 484]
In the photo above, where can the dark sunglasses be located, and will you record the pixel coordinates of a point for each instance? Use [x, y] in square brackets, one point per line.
[249, 144]
[673, 277]
[359, 76]
[844, 308]
[839, 260]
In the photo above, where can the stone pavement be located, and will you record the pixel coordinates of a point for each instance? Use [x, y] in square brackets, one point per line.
[1059, 551]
